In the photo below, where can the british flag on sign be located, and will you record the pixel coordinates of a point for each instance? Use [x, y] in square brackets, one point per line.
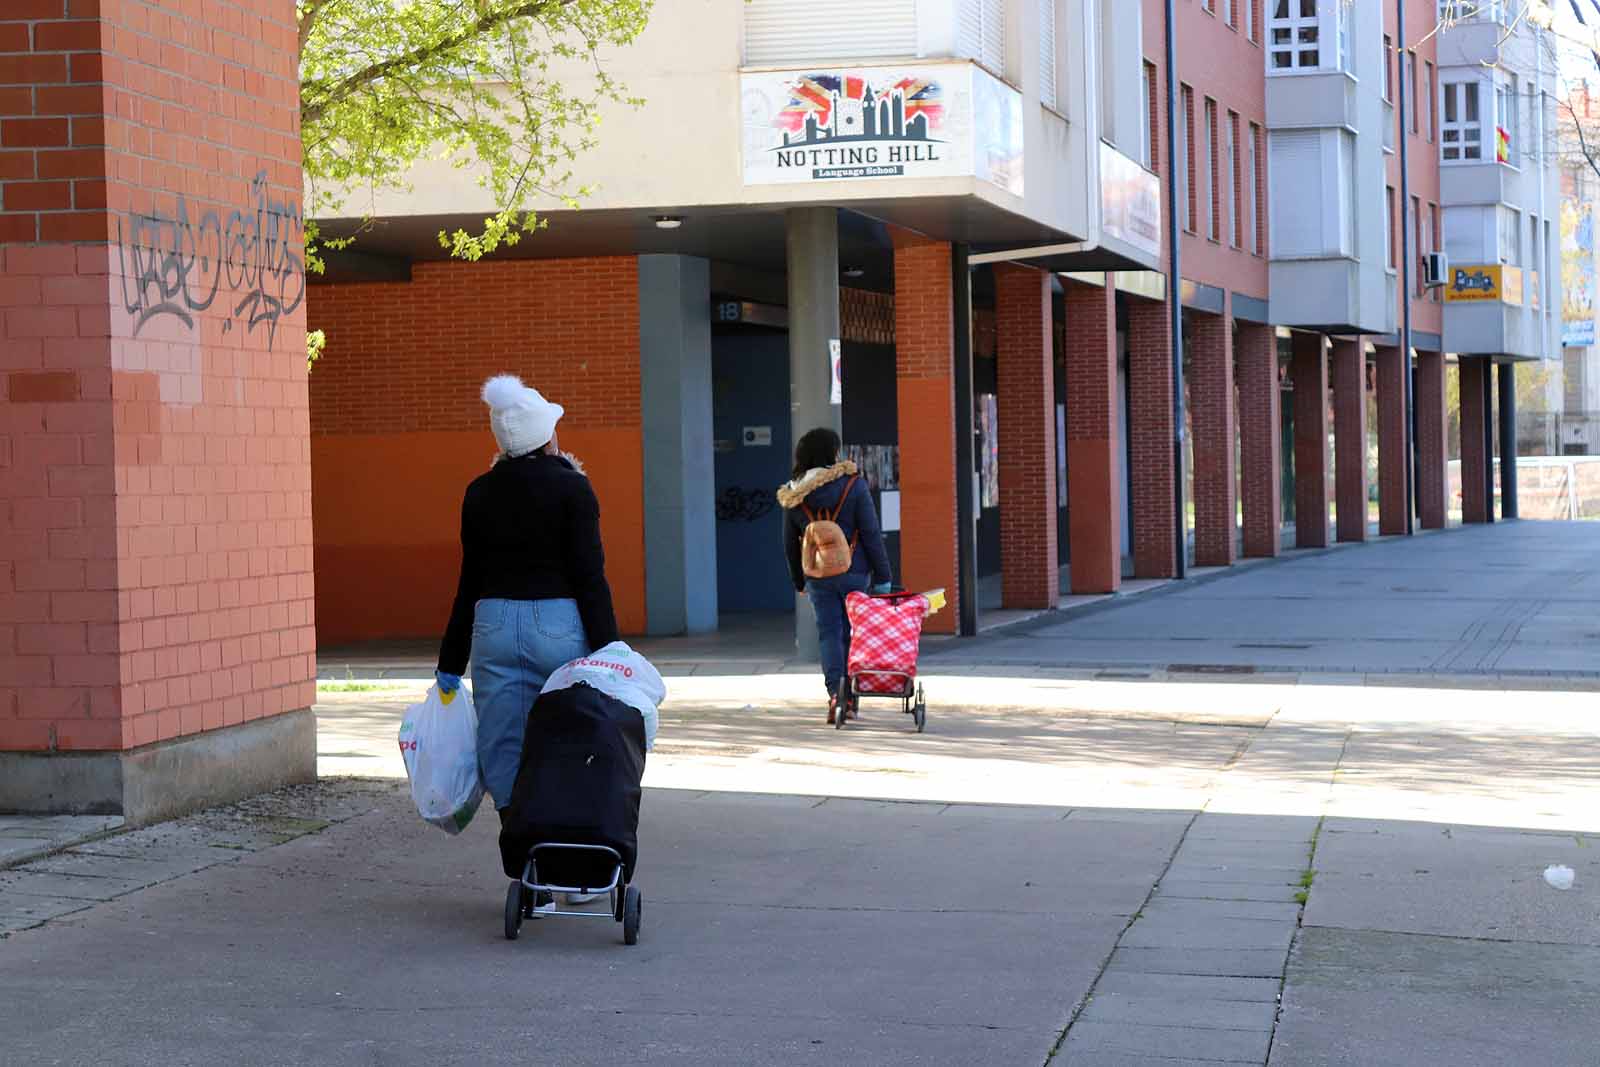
[885, 635]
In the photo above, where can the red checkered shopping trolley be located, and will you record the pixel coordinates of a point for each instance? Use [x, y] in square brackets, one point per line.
[885, 634]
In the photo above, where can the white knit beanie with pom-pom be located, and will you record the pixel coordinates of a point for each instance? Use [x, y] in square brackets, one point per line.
[522, 420]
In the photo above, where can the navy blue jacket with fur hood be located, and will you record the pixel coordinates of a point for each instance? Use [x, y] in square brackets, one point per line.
[820, 490]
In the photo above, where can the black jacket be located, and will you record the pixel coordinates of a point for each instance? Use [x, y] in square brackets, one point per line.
[820, 490]
[530, 530]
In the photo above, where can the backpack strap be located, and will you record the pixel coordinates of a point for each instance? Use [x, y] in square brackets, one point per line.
[844, 497]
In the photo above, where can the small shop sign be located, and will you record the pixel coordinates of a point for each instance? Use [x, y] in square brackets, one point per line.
[1494, 283]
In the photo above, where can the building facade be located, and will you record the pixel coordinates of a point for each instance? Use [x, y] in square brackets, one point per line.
[942, 227]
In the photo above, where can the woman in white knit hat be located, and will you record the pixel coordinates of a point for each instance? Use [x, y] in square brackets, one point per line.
[533, 592]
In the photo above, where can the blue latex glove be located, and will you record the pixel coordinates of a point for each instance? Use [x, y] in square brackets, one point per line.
[882, 588]
[448, 683]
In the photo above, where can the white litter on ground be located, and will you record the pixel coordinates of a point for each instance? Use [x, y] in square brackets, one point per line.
[1559, 876]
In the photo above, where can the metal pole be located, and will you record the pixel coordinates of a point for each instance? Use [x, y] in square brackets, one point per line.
[1175, 292]
[1410, 458]
[1508, 440]
[966, 505]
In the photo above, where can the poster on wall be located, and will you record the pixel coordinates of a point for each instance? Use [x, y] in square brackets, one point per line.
[933, 120]
[1577, 272]
[989, 466]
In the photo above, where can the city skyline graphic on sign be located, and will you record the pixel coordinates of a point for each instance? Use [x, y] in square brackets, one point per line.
[830, 109]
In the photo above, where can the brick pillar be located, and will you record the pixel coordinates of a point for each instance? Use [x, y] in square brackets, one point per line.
[1150, 439]
[1260, 440]
[1094, 504]
[1475, 503]
[1349, 372]
[1310, 441]
[1392, 457]
[1031, 576]
[1430, 444]
[1211, 394]
[155, 583]
[925, 367]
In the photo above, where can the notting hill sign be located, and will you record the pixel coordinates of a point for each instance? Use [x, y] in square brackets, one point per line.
[918, 121]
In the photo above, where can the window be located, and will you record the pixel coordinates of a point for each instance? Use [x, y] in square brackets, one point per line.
[1501, 11]
[1047, 53]
[1505, 117]
[1415, 253]
[1152, 118]
[1294, 36]
[1433, 243]
[1388, 68]
[1213, 212]
[980, 30]
[1235, 181]
[1410, 88]
[1433, 101]
[1185, 166]
[1530, 251]
[779, 31]
[1230, 12]
[1510, 236]
[1461, 132]
[1318, 221]
[1389, 228]
[1253, 197]
[1250, 19]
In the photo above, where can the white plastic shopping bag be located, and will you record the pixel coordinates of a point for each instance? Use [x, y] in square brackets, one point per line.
[620, 673]
[439, 740]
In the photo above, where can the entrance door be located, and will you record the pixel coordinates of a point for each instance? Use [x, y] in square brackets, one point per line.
[750, 423]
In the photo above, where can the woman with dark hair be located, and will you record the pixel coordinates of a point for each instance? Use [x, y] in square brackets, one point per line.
[827, 490]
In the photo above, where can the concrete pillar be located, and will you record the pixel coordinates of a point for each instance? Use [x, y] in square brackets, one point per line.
[1350, 438]
[1431, 431]
[1310, 371]
[1392, 458]
[156, 638]
[1094, 503]
[1215, 455]
[680, 525]
[1476, 505]
[924, 366]
[1508, 440]
[812, 241]
[1031, 576]
[1260, 440]
[1150, 436]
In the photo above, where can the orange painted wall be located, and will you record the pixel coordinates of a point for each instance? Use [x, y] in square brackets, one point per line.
[398, 429]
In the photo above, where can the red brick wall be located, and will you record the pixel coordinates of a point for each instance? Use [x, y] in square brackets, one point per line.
[1475, 502]
[924, 362]
[153, 468]
[1349, 372]
[1094, 497]
[1260, 442]
[1150, 439]
[1029, 519]
[1431, 430]
[399, 427]
[1422, 148]
[1211, 393]
[1310, 441]
[1391, 441]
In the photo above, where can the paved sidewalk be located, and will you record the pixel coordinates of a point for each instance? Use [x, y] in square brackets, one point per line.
[30, 837]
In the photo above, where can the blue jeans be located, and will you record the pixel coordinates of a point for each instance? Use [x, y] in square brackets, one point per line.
[833, 624]
[516, 646]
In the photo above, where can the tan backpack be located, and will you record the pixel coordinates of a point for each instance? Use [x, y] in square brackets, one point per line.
[824, 552]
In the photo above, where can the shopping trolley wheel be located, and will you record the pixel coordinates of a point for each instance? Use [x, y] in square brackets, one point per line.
[842, 711]
[920, 711]
[632, 912]
[513, 910]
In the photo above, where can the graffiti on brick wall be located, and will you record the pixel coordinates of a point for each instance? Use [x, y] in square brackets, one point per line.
[180, 266]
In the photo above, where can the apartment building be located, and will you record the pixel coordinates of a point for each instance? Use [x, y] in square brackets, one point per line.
[943, 227]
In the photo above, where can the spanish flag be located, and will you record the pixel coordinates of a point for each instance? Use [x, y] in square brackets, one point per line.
[1502, 145]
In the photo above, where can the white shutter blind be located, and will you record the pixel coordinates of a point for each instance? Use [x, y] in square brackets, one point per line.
[1047, 52]
[782, 31]
[981, 32]
[1296, 163]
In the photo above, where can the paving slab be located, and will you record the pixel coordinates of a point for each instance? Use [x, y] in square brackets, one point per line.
[1186, 1011]
[1237, 963]
[1188, 986]
[1204, 1043]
